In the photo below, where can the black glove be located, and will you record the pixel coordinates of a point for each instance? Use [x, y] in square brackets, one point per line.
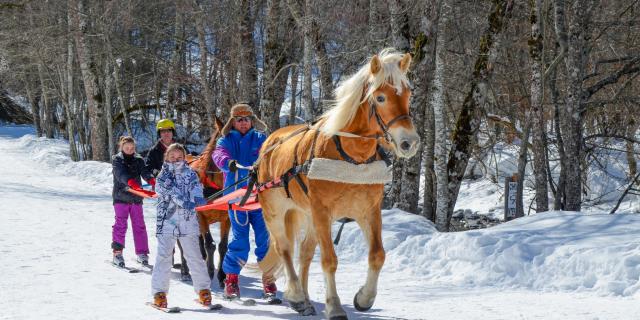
[233, 165]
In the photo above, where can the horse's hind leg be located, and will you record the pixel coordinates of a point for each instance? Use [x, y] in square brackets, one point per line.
[184, 268]
[208, 249]
[281, 227]
[307, 250]
[371, 226]
[222, 248]
[322, 223]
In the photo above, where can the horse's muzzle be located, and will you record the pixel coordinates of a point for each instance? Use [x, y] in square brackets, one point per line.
[406, 142]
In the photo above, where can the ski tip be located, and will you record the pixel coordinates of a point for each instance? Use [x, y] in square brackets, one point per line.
[167, 310]
[213, 306]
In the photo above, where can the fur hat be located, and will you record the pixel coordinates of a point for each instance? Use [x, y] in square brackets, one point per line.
[244, 110]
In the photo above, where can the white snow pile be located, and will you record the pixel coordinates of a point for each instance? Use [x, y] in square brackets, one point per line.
[53, 154]
[551, 251]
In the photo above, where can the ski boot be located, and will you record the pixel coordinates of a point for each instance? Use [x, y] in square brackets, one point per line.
[118, 259]
[160, 299]
[204, 296]
[143, 259]
[269, 291]
[231, 289]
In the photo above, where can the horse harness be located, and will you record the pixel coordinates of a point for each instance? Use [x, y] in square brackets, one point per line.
[294, 173]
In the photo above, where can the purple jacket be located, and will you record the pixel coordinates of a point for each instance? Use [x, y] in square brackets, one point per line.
[244, 149]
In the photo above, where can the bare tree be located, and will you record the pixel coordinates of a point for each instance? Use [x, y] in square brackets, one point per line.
[537, 97]
[95, 103]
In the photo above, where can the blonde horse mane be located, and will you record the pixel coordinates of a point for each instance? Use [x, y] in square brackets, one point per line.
[348, 94]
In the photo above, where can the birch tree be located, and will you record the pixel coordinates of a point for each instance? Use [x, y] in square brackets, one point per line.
[95, 103]
[537, 98]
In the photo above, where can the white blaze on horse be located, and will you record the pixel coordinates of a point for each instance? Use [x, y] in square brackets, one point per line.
[334, 169]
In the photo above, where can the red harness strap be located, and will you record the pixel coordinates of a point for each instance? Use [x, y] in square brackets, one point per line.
[208, 182]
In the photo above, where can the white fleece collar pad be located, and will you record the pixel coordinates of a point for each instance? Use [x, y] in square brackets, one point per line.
[345, 172]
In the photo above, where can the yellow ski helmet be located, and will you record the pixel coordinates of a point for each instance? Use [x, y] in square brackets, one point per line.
[165, 124]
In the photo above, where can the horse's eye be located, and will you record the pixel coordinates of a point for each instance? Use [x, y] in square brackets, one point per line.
[380, 99]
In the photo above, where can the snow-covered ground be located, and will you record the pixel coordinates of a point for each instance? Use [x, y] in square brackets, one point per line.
[55, 232]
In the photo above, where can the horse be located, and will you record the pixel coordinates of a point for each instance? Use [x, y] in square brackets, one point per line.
[212, 179]
[332, 170]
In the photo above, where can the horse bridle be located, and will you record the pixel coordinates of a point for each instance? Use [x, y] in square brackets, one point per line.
[385, 126]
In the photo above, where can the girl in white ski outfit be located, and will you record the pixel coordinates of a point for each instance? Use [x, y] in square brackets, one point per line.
[179, 192]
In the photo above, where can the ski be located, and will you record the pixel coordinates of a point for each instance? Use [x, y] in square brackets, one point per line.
[146, 266]
[238, 300]
[271, 299]
[166, 310]
[124, 268]
[212, 307]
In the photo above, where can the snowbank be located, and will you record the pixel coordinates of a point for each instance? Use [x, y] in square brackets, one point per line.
[53, 155]
[552, 251]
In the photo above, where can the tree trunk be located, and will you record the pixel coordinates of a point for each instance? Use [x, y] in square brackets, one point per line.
[99, 144]
[377, 29]
[421, 77]
[34, 100]
[295, 74]
[430, 184]
[73, 150]
[399, 30]
[440, 131]
[303, 18]
[123, 99]
[522, 166]
[311, 113]
[576, 65]
[537, 99]
[467, 124]
[399, 25]
[276, 58]
[204, 63]
[176, 57]
[48, 123]
[249, 70]
[322, 60]
[108, 87]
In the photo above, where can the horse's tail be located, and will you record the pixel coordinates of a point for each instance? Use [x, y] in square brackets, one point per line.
[271, 265]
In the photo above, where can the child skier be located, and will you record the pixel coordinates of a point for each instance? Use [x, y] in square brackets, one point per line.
[179, 192]
[128, 166]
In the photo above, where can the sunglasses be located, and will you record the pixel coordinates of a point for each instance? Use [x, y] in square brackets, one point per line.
[240, 119]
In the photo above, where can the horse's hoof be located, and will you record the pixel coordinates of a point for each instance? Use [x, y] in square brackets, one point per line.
[304, 308]
[357, 305]
[309, 311]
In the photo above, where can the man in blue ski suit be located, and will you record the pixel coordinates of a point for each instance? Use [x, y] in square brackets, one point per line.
[242, 137]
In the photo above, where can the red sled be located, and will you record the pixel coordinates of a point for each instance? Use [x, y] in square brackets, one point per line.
[143, 193]
[231, 200]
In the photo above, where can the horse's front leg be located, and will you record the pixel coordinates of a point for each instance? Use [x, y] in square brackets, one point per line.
[322, 222]
[371, 226]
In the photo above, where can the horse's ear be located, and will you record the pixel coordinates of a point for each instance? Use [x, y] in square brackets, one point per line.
[375, 64]
[405, 63]
[219, 123]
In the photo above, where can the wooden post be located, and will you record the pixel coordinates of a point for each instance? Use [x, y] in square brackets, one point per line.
[510, 195]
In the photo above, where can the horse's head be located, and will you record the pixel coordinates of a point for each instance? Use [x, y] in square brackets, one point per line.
[375, 101]
[388, 97]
